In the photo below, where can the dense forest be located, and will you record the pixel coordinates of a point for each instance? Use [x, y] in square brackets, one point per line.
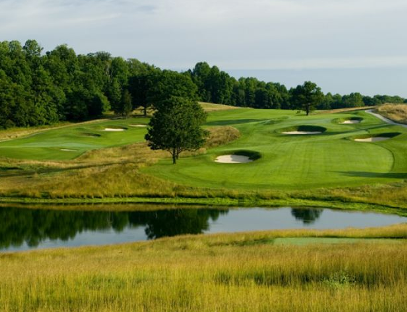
[39, 88]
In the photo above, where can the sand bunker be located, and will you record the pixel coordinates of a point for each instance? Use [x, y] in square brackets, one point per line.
[351, 122]
[67, 150]
[373, 139]
[139, 126]
[115, 129]
[302, 132]
[233, 159]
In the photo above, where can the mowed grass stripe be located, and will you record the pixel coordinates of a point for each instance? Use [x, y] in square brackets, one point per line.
[330, 159]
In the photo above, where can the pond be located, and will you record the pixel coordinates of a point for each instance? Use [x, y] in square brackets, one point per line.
[24, 229]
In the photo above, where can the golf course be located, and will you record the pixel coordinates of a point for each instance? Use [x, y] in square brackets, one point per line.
[329, 159]
[65, 181]
[325, 157]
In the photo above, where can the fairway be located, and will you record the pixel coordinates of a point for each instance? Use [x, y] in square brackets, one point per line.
[329, 159]
[72, 141]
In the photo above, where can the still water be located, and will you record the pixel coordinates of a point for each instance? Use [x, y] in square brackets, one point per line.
[23, 229]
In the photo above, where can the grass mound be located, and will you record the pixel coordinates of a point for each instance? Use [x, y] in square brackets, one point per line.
[302, 128]
[221, 135]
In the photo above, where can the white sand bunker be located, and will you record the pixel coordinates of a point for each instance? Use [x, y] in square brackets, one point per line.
[233, 159]
[372, 139]
[68, 150]
[115, 129]
[139, 126]
[355, 121]
[302, 132]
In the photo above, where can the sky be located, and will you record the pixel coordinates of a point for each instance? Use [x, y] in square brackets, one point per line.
[239, 36]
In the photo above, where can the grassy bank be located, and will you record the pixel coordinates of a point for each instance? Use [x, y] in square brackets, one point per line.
[395, 112]
[85, 163]
[353, 270]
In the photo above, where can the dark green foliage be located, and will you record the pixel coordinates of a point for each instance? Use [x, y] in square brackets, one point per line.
[218, 87]
[126, 105]
[37, 89]
[306, 97]
[139, 87]
[168, 84]
[176, 127]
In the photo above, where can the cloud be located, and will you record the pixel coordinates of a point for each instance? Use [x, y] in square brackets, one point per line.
[230, 34]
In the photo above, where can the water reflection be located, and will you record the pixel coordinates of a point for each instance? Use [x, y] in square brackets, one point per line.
[32, 226]
[308, 216]
[22, 229]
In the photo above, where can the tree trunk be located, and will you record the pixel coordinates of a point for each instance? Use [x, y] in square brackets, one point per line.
[174, 156]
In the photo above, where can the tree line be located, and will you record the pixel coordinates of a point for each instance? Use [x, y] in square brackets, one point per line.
[39, 88]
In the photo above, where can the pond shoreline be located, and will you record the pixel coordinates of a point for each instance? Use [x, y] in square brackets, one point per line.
[206, 202]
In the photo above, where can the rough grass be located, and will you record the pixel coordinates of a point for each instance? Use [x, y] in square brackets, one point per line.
[395, 112]
[221, 135]
[344, 110]
[232, 272]
[211, 107]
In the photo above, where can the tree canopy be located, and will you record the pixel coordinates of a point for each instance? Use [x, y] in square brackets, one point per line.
[306, 97]
[176, 127]
[39, 88]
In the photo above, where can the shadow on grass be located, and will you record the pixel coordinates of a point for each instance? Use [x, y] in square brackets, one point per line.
[363, 174]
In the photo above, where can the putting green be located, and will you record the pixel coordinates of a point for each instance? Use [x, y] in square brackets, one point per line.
[52, 144]
[330, 159]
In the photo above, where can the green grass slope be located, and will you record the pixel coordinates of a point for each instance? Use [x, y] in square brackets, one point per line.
[329, 159]
[77, 139]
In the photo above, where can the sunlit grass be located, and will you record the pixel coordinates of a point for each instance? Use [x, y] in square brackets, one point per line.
[395, 112]
[223, 272]
[328, 168]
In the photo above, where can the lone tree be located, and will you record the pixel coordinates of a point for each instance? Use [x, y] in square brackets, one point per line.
[176, 127]
[306, 97]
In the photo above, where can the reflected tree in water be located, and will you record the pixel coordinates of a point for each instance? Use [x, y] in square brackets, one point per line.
[308, 216]
[32, 226]
[176, 222]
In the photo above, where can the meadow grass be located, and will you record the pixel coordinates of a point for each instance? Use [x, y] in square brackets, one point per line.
[211, 107]
[395, 112]
[224, 272]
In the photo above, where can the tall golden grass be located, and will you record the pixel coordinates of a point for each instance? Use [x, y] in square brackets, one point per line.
[211, 107]
[233, 272]
[343, 110]
[395, 112]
